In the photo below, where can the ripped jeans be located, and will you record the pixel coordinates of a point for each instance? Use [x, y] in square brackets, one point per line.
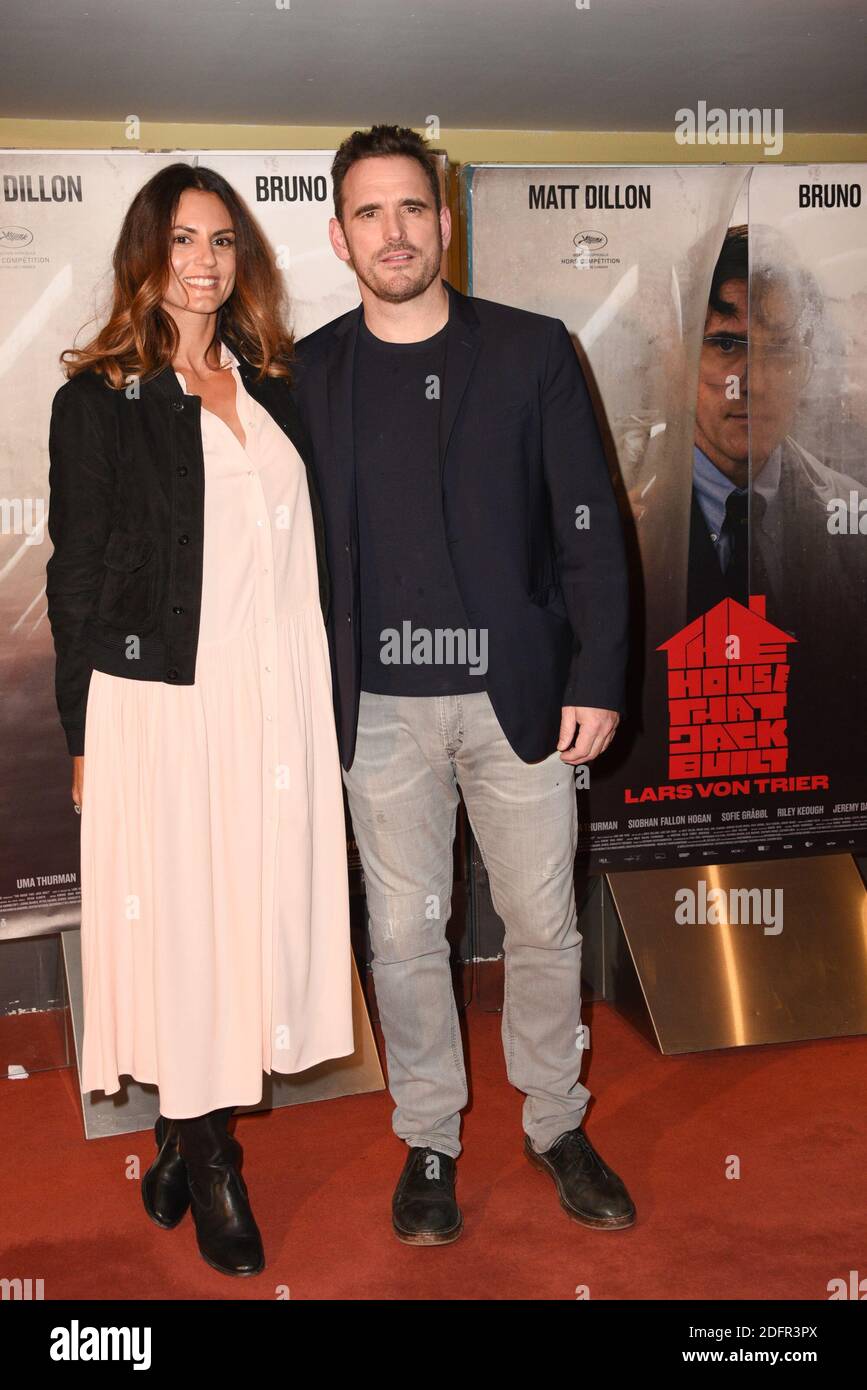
[412, 753]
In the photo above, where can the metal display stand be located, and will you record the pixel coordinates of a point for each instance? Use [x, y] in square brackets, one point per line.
[692, 987]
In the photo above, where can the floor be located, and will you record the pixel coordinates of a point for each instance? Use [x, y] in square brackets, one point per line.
[791, 1119]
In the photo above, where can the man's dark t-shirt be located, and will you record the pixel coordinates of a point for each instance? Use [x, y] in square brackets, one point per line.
[405, 568]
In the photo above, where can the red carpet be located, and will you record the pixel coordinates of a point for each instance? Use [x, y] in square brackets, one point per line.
[321, 1177]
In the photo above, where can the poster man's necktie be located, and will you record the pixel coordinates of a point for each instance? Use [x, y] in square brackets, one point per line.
[736, 527]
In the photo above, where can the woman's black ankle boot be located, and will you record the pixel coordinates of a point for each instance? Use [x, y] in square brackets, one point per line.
[226, 1229]
[165, 1189]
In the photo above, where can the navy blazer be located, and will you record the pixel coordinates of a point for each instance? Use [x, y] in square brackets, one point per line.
[520, 454]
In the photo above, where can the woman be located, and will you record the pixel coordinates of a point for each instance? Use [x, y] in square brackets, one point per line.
[186, 596]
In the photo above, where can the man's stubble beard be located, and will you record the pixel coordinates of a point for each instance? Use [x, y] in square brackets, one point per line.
[427, 273]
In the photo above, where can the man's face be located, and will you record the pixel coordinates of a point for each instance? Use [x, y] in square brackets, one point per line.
[390, 234]
[768, 378]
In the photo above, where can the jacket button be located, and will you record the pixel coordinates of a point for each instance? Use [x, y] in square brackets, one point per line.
[177, 405]
[177, 609]
[184, 539]
[183, 470]
[172, 673]
[346, 547]
[349, 617]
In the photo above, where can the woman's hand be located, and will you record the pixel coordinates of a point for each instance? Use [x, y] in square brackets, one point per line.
[78, 780]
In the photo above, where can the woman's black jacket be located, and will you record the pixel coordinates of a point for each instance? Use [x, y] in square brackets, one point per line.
[126, 518]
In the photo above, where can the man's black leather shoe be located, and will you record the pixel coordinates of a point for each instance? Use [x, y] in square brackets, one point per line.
[423, 1209]
[165, 1188]
[589, 1191]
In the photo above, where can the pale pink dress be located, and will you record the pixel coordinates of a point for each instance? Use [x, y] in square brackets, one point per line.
[215, 906]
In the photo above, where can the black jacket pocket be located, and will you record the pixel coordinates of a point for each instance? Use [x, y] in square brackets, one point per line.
[129, 592]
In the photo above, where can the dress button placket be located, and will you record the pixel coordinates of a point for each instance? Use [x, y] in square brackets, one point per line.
[267, 636]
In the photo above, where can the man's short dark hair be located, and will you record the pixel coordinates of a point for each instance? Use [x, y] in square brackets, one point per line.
[773, 266]
[382, 140]
[733, 263]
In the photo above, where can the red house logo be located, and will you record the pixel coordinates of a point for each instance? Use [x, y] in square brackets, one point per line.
[728, 672]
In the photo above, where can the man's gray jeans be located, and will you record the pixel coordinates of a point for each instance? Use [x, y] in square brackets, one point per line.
[410, 755]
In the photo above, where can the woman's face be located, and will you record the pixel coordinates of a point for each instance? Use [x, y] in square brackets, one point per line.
[202, 254]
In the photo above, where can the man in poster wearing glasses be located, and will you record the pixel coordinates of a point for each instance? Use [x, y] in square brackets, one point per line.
[767, 516]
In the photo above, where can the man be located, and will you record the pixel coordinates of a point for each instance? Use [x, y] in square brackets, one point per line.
[763, 506]
[478, 637]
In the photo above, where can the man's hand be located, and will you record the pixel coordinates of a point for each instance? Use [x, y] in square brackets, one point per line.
[596, 729]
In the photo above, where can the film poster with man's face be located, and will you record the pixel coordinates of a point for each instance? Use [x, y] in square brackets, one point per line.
[720, 316]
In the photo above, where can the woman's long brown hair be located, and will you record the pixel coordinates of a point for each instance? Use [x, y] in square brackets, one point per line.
[140, 338]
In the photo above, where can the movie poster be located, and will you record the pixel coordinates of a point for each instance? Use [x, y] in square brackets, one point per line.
[719, 314]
